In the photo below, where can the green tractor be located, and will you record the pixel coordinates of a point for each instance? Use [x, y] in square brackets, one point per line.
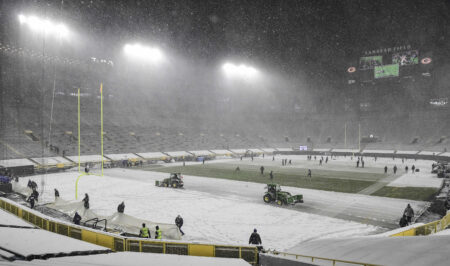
[274, 193]
[175, 180]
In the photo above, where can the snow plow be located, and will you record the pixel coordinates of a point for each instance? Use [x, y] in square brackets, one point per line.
[274, 193]
[175, 180]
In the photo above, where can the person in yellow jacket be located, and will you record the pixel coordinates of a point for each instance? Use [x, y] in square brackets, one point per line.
[158, 234]
[145, 232]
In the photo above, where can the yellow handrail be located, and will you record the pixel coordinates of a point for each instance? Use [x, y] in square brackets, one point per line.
[426, 229]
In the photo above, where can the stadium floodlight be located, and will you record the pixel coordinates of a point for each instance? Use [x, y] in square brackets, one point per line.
[241, 71]
[143, 53]
[44, 25]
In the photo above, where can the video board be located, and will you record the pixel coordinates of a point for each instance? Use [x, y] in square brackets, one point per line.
[386, 71]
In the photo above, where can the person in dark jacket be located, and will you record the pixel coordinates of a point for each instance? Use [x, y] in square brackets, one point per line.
[413, 168]
[179, 223]
[35, 194]
[409, 213]
[31, 199]
[403, 221]
[76, 218]
[121, 207]
[385, 169]
[262, 170]
[255, 239]
[56, 193]
[271, 175]
[86, 201]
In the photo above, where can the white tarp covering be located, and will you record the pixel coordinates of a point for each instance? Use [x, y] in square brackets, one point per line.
[118, 221]
[406, 152]
[152, 155]
[130, 224]
[201, 153]
[87, 158]
[52, 161]
[124, 156]
[379, 151]
[16, 162]
[222, 152]
[178, 153]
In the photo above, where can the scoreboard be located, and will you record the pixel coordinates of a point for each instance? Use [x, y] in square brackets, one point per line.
[389, 63]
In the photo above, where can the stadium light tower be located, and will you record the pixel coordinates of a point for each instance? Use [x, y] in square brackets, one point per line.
[241, 71]
[45, 26]
[145, 54]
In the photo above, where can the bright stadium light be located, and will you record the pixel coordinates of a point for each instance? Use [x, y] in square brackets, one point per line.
[241, 71]
[44, 25]
[143, 53]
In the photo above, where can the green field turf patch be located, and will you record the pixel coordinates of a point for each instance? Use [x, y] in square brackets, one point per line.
[286, 179]
[413, 193]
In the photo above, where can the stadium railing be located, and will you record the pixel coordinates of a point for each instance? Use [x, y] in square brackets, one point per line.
[427, 229]
[121, 243]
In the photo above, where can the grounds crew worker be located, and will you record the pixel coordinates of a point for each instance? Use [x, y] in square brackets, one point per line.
[255, 239]
[145, 233]
[158, 234]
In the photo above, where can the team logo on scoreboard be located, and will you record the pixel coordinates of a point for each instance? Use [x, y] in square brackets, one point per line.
[351, 69]
[425, 60]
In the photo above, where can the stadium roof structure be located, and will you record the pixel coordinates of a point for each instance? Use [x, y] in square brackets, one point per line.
[123, 156]
[406, 152]
[48, 161]
[322, 149]
[87, 158]
[428, 153]
[284, 149]
[268, 149]
[178, 153]
[346, 150]
[239, 151]
[152, 155]
[379, 151]
[221, 152]
[201, 153]
[16, 162]
[254, 150]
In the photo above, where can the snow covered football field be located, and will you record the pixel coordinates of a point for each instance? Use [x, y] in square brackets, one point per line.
[226, 211]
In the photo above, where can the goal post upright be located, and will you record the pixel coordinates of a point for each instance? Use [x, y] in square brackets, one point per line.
[79, 139]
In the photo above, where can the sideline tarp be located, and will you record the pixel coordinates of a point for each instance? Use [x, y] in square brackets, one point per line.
[130, 224]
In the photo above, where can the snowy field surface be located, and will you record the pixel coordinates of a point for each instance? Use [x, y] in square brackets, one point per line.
[210, 215]
[226, 211]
